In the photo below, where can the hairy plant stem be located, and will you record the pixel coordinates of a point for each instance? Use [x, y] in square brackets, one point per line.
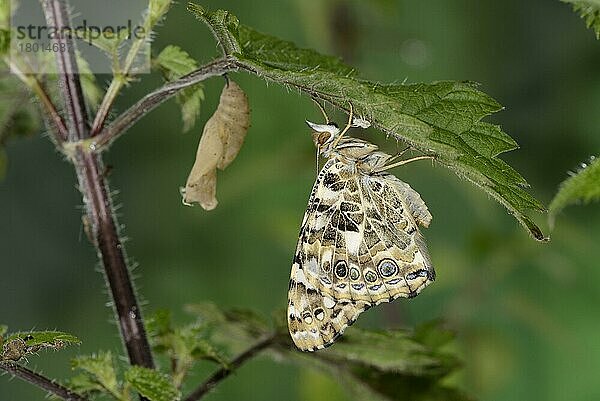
[85, 152]
[120, 78]
[101, 224]
[103, 232]
[68, 73]
[40, 381]
[60, 132]
[159, 96]
[224, 372]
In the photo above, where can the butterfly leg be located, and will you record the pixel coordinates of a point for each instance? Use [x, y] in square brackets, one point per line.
[322, 109]
[402, 162]
[346, 128]
[399, 154]
[403, 151]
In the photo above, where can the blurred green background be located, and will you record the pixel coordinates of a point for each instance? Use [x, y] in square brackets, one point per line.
[526, 314]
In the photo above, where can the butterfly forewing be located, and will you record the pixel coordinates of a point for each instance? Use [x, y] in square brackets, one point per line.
[359, 245]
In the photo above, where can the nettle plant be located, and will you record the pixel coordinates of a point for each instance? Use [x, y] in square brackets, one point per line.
[583, 185]
[442, 120]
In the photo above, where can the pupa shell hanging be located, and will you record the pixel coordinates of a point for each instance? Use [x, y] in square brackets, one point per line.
[222, 139]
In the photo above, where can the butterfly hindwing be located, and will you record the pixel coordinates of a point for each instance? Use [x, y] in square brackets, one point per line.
[359, 245]
[400, 211]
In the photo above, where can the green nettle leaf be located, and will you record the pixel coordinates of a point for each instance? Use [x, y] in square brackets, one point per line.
[373, 365]
[157, 9]
[235, 325]
[159, 323]
[232, 328]
[184, 346]
[84, 384]
[442, 119]
[589, 11]
[582, 187]
[107, 41]
[204, 349]
[207, 312]
[152, 384]
[254, 323]
[194, 342]
[100, 369]
[223, 25]
[175, 63]
[391, 365]
[190, 100]
[46, 338]
[19, 345]
[390, 351]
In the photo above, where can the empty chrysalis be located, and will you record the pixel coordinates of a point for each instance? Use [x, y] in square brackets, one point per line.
[222, 138]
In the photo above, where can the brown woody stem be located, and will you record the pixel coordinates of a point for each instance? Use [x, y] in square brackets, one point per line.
[101, 222]
[40, 381]
[103, 232]
[224, 372]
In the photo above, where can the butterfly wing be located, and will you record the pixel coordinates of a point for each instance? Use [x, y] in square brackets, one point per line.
[392, 236]
[359, 245]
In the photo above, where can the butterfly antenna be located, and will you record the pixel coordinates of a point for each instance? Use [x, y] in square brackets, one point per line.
[322, 110]
[346, 128]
